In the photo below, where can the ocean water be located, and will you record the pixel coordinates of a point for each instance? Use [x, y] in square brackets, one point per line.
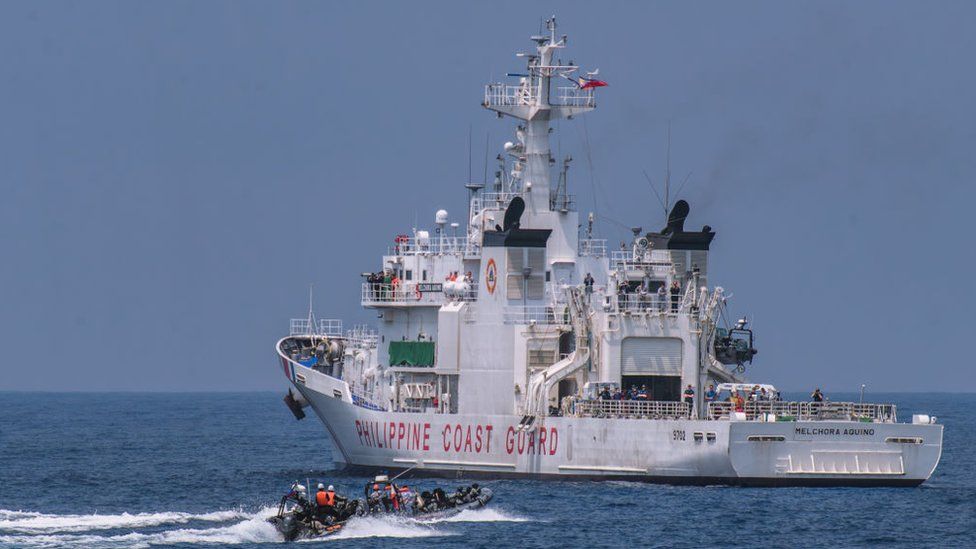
[205, 470]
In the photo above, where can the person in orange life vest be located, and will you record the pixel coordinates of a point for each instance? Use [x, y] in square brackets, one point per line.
[325, 500]
[406, 496]
[393, 496]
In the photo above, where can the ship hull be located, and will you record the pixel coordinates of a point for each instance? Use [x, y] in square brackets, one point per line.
[699, 452]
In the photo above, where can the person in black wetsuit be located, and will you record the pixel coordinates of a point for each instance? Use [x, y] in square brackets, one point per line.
[440, 499]
[303, 507]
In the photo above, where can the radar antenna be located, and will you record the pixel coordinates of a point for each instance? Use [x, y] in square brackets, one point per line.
[311, 314]
[536, 101]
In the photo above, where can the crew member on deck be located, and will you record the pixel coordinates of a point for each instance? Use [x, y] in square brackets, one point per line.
[675, 295]
[689, 395]
[817, 396]
[738, 403]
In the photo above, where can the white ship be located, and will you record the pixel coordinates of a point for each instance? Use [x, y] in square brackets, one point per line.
[505, 369]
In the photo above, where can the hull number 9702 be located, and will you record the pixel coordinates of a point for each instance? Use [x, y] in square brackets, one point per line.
[678, 434]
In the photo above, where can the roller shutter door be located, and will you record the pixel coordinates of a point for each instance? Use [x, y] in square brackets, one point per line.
[650, 356]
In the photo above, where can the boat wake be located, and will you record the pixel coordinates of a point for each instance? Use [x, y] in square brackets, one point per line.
[478, 515]
[384, 527]
[37, 530]
[29, 523]
[145, 530]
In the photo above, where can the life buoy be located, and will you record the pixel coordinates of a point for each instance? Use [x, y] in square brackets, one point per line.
[416, 290]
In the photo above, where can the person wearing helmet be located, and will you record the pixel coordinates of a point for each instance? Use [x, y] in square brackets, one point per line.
[391, 498]
[374, 496]
[299, 496]
[325, 501]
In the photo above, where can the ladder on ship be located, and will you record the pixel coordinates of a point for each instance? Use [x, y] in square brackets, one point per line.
[537, 396]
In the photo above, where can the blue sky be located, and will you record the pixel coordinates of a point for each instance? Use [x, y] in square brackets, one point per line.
[173, 175]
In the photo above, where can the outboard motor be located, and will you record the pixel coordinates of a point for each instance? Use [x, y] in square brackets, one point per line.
[289, 527]
[295, 403]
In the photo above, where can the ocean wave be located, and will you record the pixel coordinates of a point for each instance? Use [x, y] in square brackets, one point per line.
[254, 529]
[28, 522]
[42, 531]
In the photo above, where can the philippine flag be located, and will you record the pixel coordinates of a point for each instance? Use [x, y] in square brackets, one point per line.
[590, 83]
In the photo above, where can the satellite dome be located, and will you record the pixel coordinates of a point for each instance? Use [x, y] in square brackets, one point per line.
[440, 217]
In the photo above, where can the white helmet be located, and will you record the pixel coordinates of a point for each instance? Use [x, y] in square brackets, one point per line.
[300, 488]
[331, 488]
[321, 486]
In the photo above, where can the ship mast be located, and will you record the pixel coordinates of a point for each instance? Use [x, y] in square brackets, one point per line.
[534, 101]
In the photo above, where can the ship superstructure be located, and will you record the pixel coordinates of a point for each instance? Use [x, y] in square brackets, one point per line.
[524, 346]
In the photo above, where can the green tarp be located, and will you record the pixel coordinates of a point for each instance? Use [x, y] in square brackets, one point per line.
[411, 353]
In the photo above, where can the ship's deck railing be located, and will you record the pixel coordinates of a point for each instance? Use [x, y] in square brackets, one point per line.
[331, 327]
[365, 402]
[595, 247]
[647, 302]
[362, 336]
[808, 411]
[363, 398]
[533, 314]
[435, 245]
[498, 201]
[506, 95]
[408, 293]
[624, 260]
[628, 409]
[572, 96]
